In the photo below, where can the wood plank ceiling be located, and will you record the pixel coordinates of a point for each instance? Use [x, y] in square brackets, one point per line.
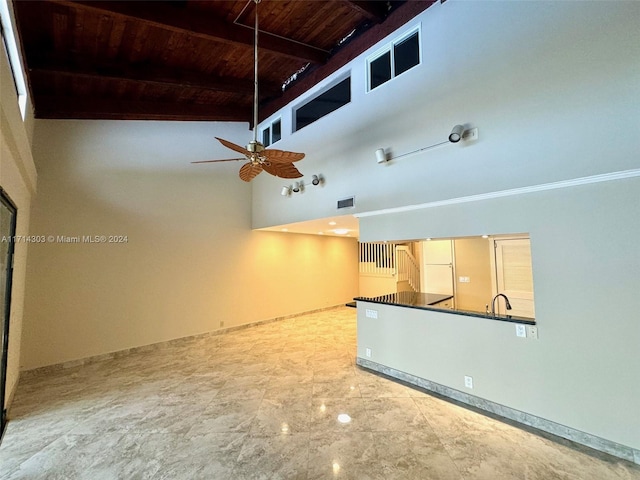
[189, 59]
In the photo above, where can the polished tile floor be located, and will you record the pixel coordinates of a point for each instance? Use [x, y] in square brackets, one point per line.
[267, 402]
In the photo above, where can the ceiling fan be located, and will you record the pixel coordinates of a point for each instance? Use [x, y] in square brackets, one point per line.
[276, 162]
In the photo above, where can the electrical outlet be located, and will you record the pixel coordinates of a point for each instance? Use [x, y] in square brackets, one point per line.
[464, 280]
[367, 352]
[468, 381]
[371, 313]
[521, 330]
[532, 331]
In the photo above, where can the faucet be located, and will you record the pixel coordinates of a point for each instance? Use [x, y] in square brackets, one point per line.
[493, 303]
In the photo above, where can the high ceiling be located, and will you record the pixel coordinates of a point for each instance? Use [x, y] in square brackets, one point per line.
[189, 59]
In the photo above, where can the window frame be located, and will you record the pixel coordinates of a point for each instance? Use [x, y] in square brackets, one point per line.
[269, 129]
[10, 46]
[389, 48]
[334, 83]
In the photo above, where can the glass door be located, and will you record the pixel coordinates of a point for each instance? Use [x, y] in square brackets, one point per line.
[7, 237]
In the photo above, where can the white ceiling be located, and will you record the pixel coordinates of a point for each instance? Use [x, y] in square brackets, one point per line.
[322, 226]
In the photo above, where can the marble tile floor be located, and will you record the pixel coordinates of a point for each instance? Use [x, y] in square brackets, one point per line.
[263, 403]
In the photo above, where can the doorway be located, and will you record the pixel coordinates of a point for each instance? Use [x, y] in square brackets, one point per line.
[513, 275]
[8, 214]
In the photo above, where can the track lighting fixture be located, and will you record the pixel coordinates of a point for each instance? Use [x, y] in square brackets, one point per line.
[458, 133]
[286, 191]
[298, 187]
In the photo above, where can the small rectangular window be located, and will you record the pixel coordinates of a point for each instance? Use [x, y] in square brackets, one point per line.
[395, 59]
[272, 133]
[406, 54]
[276, 131]
[325, 103]
[266, 137]
[380, 70]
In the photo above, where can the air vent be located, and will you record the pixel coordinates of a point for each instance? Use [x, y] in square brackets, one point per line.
[347, 203]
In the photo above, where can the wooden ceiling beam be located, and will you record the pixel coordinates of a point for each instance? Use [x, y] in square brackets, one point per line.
[163, 15]
[152, 75]
[375, 11]
[118, 109]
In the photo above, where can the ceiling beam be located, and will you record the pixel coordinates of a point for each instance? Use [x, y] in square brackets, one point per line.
[118, 109]
[163, 15]
[375, 11]
[151, 75]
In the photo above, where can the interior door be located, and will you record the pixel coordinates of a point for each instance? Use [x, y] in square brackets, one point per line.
[7, 236]
[514, 276]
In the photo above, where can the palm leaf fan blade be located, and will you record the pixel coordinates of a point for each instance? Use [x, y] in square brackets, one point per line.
[233, 146]
[249, 171]
[281, 156]
[223, 160]
[282, 170]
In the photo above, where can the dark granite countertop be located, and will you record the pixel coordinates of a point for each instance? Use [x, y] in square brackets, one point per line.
[427, 301]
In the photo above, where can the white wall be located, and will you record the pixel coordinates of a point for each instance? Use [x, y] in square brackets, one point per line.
[191, 260]
[554, 92]
[18, 180]
[551, 87]
[582, 371]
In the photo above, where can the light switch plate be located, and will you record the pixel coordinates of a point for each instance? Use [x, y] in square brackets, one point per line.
[371, 313]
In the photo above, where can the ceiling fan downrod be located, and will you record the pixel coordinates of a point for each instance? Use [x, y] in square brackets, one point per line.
[255, 86]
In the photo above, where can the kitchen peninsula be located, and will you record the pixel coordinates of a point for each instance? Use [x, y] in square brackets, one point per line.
[438, 302]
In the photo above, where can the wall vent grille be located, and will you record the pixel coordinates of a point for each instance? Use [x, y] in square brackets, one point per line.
[347, 203]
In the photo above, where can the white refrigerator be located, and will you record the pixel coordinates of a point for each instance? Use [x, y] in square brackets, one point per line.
[437, 267]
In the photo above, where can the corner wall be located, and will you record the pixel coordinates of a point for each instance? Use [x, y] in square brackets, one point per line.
[17, 178]
[190, 260]
[551, 88]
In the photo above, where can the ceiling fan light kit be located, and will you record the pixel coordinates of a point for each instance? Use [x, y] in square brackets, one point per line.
[458, 132]
[278, 163]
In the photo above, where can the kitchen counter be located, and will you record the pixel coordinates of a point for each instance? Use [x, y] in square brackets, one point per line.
[429, 301]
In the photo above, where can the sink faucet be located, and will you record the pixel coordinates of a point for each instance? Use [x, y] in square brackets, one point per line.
[493, 303]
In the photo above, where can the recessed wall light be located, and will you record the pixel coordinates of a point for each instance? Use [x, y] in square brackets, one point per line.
[485, 236]
[332, 223]
[341, 231]
[284, 230]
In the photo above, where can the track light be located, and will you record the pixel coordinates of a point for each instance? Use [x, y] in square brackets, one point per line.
[456, 134]
[298, 187]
